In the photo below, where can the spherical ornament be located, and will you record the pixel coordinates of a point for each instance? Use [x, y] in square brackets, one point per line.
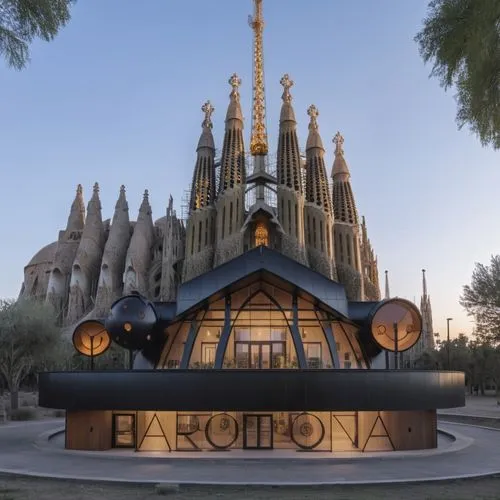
[132, 322]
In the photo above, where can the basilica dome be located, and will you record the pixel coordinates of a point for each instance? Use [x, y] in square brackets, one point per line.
[44, 255]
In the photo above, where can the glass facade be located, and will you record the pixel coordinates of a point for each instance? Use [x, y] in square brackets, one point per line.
[262, 327]
[305, 431]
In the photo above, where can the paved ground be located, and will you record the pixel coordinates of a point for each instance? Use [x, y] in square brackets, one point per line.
[18, 454]
[481, 406]
[474, 453]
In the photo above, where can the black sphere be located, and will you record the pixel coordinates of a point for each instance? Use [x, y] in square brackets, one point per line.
[132, 322]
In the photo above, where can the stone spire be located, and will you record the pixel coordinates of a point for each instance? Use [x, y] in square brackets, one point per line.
[289, 180]
[85, 272]
[317, 188]
[427, 337]
[343, 197]
[203, 185]
[113, 260]
[347, 233]
[318, 210]
[230, 203]
[67, 246]
[139, 253]
[426, 340]
[387, 291]
[288, 159]
[200, 234]
[76, 219]
[232, 171]
[369, 265]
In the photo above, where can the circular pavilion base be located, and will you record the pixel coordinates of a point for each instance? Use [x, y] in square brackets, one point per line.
[25, 449]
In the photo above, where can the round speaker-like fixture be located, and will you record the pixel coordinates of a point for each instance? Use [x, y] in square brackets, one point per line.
[132, 322]
[396, 323]
[91, 338]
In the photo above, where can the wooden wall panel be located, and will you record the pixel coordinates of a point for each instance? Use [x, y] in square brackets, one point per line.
[88, 430]
[397, 430]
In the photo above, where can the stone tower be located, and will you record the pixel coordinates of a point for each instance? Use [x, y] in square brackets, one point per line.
[347, 237]
[290, 193]
[200, 229]
[231, 197]
[85, 271]
[369, 265]
[67, 246]
[318, 204]
[110, 284]
[139, 255]
[173, 254]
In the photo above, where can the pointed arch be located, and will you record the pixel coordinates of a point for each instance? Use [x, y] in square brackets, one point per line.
[34, 288]
[230, 324]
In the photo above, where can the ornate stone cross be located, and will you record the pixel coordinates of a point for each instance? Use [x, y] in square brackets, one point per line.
[287, 84]
[313, 112]
[208, 109]
[235, 82]
[338, 140]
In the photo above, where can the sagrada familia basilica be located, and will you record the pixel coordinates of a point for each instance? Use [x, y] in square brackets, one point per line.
[294, 208]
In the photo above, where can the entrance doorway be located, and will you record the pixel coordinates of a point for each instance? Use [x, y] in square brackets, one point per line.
[124, 431]
[259, 355]
[258, 432]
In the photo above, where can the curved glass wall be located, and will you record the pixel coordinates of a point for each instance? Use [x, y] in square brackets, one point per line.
[264, 323]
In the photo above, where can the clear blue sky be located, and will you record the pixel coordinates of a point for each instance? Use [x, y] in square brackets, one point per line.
[116, 99]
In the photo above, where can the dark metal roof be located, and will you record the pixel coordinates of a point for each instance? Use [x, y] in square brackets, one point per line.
[262, 260]
[252, 390]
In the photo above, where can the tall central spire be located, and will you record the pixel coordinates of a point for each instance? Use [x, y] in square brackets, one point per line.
[258, 142]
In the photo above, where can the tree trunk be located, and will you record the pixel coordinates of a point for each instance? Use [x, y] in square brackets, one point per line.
[14, 399]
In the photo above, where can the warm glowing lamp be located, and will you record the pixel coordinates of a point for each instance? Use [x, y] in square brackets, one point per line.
[396, 325]
[91, 339]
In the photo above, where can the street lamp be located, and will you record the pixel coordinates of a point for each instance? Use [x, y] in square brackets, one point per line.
[448, 340]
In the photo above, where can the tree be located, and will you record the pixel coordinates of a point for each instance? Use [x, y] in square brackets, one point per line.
[462, 38]
[481, 300]
[28, 334]
[21, 21]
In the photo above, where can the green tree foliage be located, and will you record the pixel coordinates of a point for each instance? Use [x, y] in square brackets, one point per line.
[21, 21]
[462, 39]
[28, 335]
[481, 300]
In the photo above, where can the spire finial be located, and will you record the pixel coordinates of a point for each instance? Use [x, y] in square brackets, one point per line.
[338, 140]
[287, 84]
[313, 112]
[258, 140]
[79, 190]
[146, 195]
[424, 283]
[208, 109]
[387, 292]
[122, 189]
[96, 189]
[235, 82]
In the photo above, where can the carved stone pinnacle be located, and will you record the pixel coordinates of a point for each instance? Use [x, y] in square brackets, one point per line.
[208, 109]
[287, 84]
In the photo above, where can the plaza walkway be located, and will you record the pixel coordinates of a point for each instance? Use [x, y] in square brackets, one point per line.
[476, 406]
[24, 449]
